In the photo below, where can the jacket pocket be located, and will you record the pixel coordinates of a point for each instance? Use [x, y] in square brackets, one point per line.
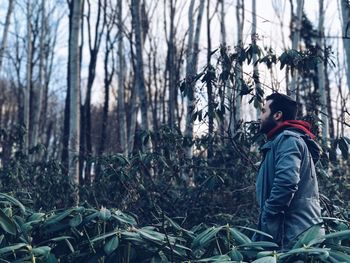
[273, 225]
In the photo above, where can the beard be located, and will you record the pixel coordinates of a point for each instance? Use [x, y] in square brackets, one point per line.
[267, 125]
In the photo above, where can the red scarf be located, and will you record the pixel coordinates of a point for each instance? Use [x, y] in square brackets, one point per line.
[299, 125]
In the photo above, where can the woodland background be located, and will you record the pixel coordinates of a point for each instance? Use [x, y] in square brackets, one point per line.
[150, 107]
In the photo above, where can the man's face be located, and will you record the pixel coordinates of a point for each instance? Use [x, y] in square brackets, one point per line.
[267, 121]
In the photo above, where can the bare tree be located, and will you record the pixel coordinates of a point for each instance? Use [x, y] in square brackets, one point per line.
[321, 74]
[26, 101]
[121, 91]
[345, 12]
[139, 74]
[75, 7]
[236, 96]
[94, 47]
[6, 30]
[171, 66]
[256, 78]
[296, 23]
[191, 68]
[38, 89]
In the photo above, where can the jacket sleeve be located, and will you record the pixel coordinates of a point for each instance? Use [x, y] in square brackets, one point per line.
[285, 184]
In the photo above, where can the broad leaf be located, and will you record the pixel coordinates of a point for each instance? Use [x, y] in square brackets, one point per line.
[111, 245]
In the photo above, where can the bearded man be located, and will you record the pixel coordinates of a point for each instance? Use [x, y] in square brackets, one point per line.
[286, 186]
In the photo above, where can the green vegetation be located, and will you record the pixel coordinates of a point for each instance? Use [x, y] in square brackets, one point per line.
[144, 208]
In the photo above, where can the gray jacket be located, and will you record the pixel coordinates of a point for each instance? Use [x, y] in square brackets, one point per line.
[286, 187]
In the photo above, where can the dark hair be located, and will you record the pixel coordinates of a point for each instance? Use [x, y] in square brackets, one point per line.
[283, 103]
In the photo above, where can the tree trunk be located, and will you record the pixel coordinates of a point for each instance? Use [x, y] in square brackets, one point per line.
[108, 76]
[38, 91]
[191, 71]
[329, 102]
[94, 46]
[210, 88]
[171, 67]
[225, 85]
[121, 90]
[321, 75]
[74, 91]
[6, 30]
[26, 102]
[255, 64]
[139, 75]
[297, 21]
[237, 98]
[345, 12]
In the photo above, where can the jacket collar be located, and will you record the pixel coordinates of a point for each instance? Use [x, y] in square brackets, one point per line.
[302, 126]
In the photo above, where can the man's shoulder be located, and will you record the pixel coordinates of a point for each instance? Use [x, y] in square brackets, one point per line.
[290, 136]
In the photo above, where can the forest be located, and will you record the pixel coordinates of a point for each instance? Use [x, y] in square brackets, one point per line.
[129, 129]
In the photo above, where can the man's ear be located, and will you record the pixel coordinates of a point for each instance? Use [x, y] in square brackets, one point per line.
[277, 116]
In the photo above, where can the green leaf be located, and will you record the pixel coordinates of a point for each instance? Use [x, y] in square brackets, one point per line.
[54, 219]
[338, 235]
[321, 252]
[124, 218]
[57, 239]
[269, 259]
[339, 256]
[240, 238]
[260, 244]
[5, 250]
[13, 201]
[51, 259]
[256, 231]
[344, 147]
[7, 224]
[262, 254]
[103, 236]
[235, 255]
[151, 235]
[218, 258]
[75, 221]
[105, 214]
[311, 235]
[111, 245]
[36, 216]
[41, 251]
[206, 237]
[70, 246]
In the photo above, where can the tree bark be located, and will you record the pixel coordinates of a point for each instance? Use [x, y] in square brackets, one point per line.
[6, 30]
[121, 90]
[74, 91]
[26, 102]
[255, 64]
[209, 88]
[321, 75]
[139, 75]
[38, 90]
[345, 12]
[94, 46]
[236, 96]
[171, 67]
[297, 20]
[191, 70]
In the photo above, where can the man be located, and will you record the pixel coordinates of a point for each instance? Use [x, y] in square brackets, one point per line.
[286, 186]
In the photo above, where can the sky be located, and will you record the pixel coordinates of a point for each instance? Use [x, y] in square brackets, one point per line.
[270, 15]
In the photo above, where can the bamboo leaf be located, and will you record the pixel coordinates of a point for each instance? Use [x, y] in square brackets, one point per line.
[13, 201]
[7, 224]
[269, 259]
[240, 238]
[341, 235]
[310, 235]
[15, 247]
[111, 245]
